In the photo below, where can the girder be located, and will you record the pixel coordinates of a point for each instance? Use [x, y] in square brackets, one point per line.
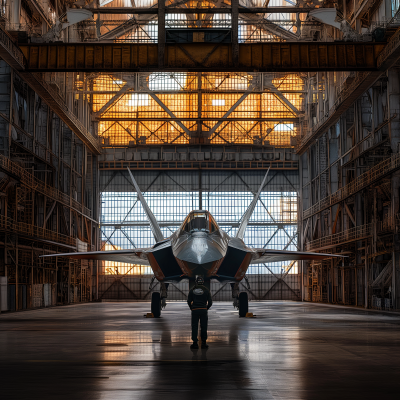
[263, 57]
[203, 165]
[200, 10]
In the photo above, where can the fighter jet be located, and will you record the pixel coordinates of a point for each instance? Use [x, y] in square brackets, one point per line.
[198, 247]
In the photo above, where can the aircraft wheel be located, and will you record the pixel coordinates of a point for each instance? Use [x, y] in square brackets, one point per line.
[156, 304]
[243, 304]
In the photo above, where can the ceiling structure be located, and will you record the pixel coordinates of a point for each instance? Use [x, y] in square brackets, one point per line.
[131, 109]
[199, 108]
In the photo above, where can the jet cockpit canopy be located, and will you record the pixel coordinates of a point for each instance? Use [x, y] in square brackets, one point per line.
[199, 221]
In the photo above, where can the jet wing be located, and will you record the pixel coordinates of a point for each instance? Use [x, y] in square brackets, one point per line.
[137, 256]
[261, 256]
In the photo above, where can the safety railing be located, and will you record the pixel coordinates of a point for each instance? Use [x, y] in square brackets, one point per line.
[36, 184]
[389, 49]
[9, 225]
[17, 58]
[378, 171]
[393, 45]
[336, 239]
[344, 94]
[86, 136]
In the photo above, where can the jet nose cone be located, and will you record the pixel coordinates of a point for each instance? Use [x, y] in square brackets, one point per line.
[199, 250]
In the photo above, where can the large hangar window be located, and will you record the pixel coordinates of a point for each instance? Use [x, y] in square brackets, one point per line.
[273, 224]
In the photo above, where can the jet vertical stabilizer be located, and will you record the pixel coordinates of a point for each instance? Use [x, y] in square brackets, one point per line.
[249, 212]
[150, 216]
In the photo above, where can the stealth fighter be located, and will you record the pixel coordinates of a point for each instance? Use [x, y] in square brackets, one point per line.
[198, 247]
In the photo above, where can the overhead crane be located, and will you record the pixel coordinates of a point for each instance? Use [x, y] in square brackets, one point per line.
[200, 57]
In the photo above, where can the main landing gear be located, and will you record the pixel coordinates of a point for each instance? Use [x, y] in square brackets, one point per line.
[158, 300]
[156, 304]
[240, 300]
[243, 304]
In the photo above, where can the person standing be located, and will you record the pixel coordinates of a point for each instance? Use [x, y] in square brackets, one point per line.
[199, 301]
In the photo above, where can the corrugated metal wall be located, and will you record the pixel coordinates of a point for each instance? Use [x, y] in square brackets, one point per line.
[261, 287]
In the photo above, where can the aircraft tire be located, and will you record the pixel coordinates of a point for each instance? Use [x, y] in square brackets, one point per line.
[243, 304]
[156, 304]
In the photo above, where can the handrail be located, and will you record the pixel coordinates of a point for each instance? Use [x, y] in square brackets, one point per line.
[15, 56]
[84, 133]
[9, 225]
[36, 184]
[348, 235]
[383, 168]
[361, 77]
[389, 48]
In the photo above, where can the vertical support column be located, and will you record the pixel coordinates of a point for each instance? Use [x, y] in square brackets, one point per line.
[81, 281]
[15, 11]
[97, 280]
[332, 279]
[200, 192]
[396, 275]
[161, 33]
[56, 282]
[199, 105]
[31, 302]
[343, 287]
[300, 222]
[16, 275]
[396, 246]
[235, 32]
[356, 284]
[75, 286]
[366, 274]
[8, 150]
[69, 282]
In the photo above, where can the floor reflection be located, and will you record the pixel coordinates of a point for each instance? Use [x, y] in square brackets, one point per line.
[169, 367]
[110, 351]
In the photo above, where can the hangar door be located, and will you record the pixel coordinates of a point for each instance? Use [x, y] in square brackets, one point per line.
[172, 195]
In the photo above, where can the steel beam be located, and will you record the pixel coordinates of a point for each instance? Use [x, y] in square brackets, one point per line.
[128, 86]
[189, 165]
[229, 112]
[161, 32]
[235, 31]
[210, 10]
[221, 223]
[273, 119]
[170, 113]
[199, 57]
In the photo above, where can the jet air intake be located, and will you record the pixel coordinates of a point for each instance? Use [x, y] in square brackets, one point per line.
[199, 249]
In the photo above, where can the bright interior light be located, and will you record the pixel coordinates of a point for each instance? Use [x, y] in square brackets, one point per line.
[283, 127]
[139, 100]
[218, 102]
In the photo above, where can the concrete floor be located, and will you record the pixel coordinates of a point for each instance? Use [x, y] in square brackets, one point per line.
[110, 351]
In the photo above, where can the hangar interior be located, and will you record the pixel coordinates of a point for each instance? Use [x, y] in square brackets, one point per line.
[199, 99]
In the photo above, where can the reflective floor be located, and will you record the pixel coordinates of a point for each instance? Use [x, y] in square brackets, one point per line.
[110, 351]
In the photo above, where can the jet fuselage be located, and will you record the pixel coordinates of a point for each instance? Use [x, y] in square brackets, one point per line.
[200, 247]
